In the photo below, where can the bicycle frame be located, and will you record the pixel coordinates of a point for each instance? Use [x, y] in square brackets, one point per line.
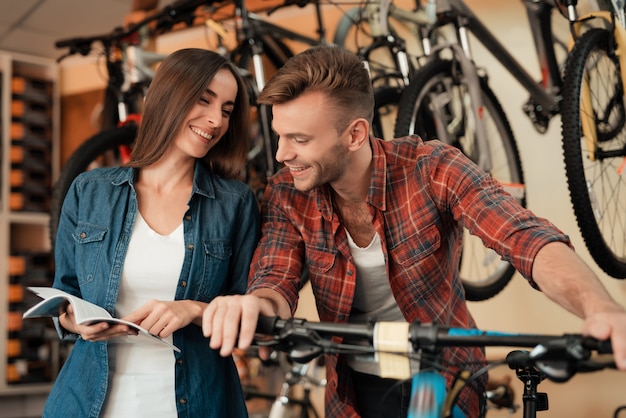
[544, 96]
[249, 26]
[378, 13]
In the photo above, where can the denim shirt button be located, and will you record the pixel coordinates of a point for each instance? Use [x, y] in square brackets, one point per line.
[183, 401]
[190, 246]
[183, 283]
[179, 361]
[83, 235]
[188, 217]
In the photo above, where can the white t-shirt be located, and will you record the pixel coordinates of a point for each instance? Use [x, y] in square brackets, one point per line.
[141, 372]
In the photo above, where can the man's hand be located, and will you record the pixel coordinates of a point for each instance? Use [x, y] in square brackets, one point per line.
[605, 325]
[231, 320]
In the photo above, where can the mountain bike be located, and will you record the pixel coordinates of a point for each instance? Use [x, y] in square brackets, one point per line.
[554, 357]
[387, 39]
[449, 98]
[260, 48]
[594, 133]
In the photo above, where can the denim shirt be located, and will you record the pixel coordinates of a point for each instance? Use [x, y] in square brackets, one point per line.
[221, 230]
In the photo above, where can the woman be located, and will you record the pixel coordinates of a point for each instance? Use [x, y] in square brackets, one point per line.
[153, 243]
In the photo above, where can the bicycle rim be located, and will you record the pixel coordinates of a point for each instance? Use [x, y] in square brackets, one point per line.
[435, 91]
[101, 150]
[595, 160]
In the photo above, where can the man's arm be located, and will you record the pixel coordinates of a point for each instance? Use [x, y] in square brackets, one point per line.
[232, 320]
[566, 279]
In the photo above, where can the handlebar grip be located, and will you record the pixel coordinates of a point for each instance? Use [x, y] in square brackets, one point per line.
[72, 42]
[266, 324]
[601, 346]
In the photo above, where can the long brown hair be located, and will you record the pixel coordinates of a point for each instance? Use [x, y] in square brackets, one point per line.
[178, 84]
[334, 71]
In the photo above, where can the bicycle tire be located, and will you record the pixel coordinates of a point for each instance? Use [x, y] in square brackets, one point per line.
[483, 273]
[597, 189]
[353, 34]
[105, 143]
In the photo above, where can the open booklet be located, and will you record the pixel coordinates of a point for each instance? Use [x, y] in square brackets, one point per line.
[86, 313]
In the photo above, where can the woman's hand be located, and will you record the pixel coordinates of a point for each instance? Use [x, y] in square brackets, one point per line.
[162, 318]
[99, 331]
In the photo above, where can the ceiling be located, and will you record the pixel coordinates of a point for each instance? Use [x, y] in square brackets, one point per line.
[32, 26]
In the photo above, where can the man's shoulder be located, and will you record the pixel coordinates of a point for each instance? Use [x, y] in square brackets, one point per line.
[411, 148]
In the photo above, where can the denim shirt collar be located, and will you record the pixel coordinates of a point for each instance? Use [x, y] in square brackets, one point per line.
[202, 180]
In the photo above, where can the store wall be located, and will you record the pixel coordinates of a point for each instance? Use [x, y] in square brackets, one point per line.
[518, 308]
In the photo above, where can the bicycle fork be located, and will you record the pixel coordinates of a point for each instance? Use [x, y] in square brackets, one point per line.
[472, 100]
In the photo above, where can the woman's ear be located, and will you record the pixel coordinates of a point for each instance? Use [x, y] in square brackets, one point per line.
[359, 133]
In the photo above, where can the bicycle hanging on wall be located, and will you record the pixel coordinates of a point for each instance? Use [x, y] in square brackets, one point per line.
[594, 132]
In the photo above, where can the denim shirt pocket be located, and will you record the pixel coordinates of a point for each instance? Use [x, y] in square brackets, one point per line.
[89, 240]
[216, 263]
[413, 257]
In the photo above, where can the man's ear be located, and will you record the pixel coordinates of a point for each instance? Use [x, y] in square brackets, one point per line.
[359, 133]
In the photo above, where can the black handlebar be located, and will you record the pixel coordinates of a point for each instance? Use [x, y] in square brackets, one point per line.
[166, 18]
[182, 11]
[422, 336]
[558, 356]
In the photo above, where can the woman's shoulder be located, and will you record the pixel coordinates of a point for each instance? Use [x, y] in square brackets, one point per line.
[103, 176]
[105, 172]
[236, 187]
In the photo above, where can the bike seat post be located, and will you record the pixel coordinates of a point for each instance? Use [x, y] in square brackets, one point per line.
[533, 401]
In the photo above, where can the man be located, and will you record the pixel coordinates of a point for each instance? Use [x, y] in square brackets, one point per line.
[378, 225]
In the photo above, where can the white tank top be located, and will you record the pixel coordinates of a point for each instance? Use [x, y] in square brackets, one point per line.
[141, 372]
[373, 299]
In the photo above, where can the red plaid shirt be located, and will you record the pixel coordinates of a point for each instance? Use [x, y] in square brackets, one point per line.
[420, 196]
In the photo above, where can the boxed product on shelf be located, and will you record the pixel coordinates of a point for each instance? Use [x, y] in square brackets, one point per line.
[31, 112]
[30, 198]
[32, 89]
[28, 345]
[21, 130]
[30, 172]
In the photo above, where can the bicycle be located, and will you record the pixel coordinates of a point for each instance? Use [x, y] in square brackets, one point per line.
[449, 98]
[386, 38]
[259, 44]
[554, 357]
[594, 134]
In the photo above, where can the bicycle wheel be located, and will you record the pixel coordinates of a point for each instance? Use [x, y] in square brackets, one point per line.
[437, 99]
[104, 149]
[354, 34]
[595, 160]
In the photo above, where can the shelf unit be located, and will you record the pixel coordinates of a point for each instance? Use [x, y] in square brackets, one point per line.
[30, 352]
